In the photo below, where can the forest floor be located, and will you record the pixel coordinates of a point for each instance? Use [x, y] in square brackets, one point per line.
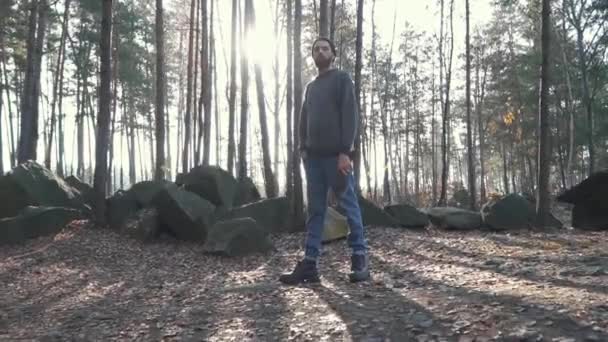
[92, 285]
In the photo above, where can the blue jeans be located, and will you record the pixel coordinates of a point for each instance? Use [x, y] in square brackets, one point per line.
[321, 174]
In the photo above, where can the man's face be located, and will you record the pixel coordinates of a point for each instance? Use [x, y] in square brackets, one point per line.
[322, 54]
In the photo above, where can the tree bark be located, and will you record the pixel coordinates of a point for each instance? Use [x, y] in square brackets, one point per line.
[189, 93]
[159, 173]
[58, 75]
[544, 149]
[28, 140]
[289, 104]
[323, 18]
[480, 90]
[206, 85]
[269, 179]
[13, 155]
[298, 201]
[358, 67]
[232, 96]
[471, 163]
[103, 119]
[242, 173]
[332, 19]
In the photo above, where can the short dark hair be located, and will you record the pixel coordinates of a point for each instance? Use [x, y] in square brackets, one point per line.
[331, 45]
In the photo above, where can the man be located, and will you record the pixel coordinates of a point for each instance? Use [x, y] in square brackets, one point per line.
[328, 125]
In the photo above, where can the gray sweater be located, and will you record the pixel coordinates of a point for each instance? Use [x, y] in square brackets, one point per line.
[329, 116]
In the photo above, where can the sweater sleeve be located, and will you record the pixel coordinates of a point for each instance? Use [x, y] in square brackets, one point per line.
[349, 115]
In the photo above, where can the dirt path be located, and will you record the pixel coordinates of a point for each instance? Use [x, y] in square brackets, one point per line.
[90, 285]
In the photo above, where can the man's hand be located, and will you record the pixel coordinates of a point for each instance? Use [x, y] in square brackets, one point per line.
[344, 164]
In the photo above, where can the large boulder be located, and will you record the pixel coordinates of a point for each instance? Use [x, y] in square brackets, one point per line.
[246, 192]
[271, 214]
[145, 191]
[144, 225]
[510, 212]
[32, 184]
[335, 226]
[33, 222]
[373, 215]
[211, 183]
[85, 189]
[590, 210]
[407, 215]
[454, 218]
[119, 207]
[186, 214]
[237, 237]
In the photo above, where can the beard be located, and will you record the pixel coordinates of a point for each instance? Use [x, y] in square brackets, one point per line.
[322, 62]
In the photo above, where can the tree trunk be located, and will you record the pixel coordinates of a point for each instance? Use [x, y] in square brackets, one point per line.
[332, 18]
[269, 179]
[544, 149]
[206, 85]
[505, 176]
[298, 201]
[242, 173]
[289, 105]
[159, 173]
[587, 102]
[189, 93]
[433, 139]
[28, 140]
[232, 96]
[103, 119]
[195, 100]
[25, 137]
[218, 136]
[13, 155]
[480, 89]
[277, 99]
[111, 173]
[358, 66]
[471, 163]
[323, 18]
[446, 113]
[131, 125]
[60, 54]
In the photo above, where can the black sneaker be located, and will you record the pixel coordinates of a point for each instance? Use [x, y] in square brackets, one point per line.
[359, 268]
[305, 272]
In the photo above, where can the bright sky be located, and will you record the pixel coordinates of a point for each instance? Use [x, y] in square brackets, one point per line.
[423, 15]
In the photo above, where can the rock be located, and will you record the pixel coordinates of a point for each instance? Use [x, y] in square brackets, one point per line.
[374, 216]
[237, 237]
[454, 218]
[246, 193]
[407, 215]
[510, 212]
[33, 222]
[85, 189]
[144, 225]
[590, 210]
[272, 214]
[335, 226]
[119, 207]
[32, 184]
[211, 183]
[146, 191]
[186, 214]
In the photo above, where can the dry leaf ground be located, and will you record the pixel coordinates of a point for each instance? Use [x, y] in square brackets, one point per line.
[93, 285]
